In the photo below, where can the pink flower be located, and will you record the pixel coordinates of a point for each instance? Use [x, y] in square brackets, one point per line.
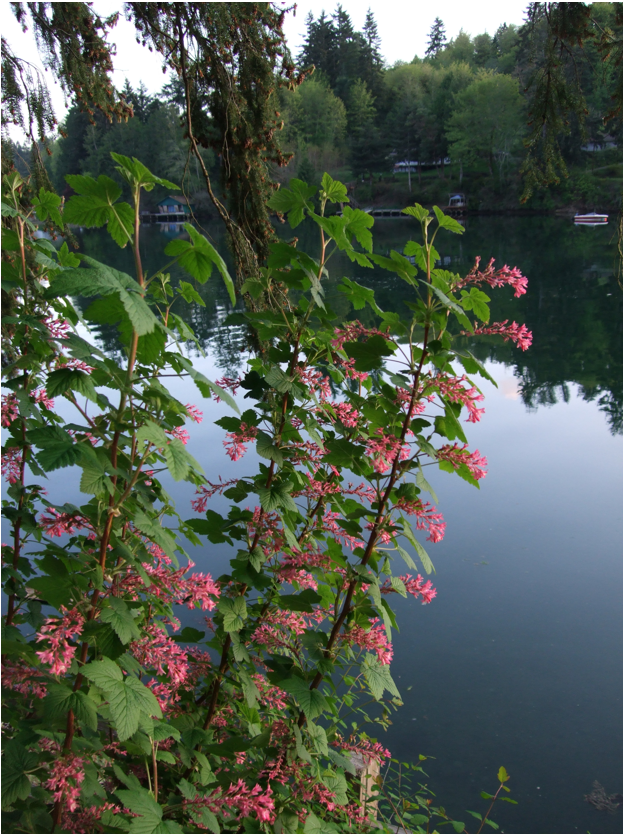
[57, 524]
[373, 639]
[193, 412]
[383, 449]
[180, 433]
[457, 456]
[427, 518]
[12, 459]
[228, 384]
[41, 397]
[74, 365]
[66, 776]
[314, 381]
[519, 334]
[157, 651]
[203, 493]
[19, 677]
[58, 329]
[452, 388]
[496, 278]
[9, 409]
[346, 414]
[416, 587]
[370, 751]
[234, 446]
[58, 631]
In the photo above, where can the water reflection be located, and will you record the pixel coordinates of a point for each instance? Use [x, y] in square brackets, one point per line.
[573, 306]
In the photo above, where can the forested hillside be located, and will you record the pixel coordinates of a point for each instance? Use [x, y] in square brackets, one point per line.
[457, 119]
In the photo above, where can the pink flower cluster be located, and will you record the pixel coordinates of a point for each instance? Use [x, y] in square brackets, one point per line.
[66, 776]
[496, 277]
[383, 449]
[204, 493]
[314, 381]
[12, 464]
[519, 334]
[58, 329]
[156, 650]
[238, 801]
[426, 517]
[194, 414]
[57, 524]
[19, 677]
[346, 414]
[9, 409]
[41, 397]
[277, 629]
[457, 455]
[368, 750]
[228, 384]
[452, 388]
[330, 523]
[175, 586]
[416, 587]
[180, 433]
[235, 444]
[352, 332]
[74, 365]
[58, 631]
[373, 639]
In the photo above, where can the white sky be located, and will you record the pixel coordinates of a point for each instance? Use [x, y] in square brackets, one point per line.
[403, 27]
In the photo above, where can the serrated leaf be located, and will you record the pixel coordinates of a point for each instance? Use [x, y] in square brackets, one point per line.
[177, 458]
[127, 700]
[190, 294]
[234, 612]
[16, 761]
[46, 205]
[265, 448]
[449, 223]
[103, 673]
[152, 433]
[138, 174]
[198, 256]
[334, 191]
[378, 677]
[60, 699]
[503, 775]
[312, 702]
[120, 617]
[94, 480]
[57, 448]
[141, 316]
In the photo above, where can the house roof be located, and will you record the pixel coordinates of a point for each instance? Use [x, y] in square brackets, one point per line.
[176, 198]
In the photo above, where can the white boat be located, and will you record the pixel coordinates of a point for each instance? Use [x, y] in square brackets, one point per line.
[592, 219]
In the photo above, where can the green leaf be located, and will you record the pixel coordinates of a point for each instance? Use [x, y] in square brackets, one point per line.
[358, 296]
[303, 601]
[378, 677]
[477, 301]
[197, 257]
[336, 782]
[97, 205]
[423, 484]
[449, 223]
[46, 205]
[369, 355]
[417, 211]
[293, 201]
[16, 761]
[458, 826]
[141, 802]
[139, 312]
[266, 448]
[152, 433]
[103, 673]
[333, 191]
[179, 461]
[138, 174]
[234, 612]
[422, 554]
[190, 294]
[60, 699]
[503, 775]
[68, 379]
[122, 620]
[127, 701]
[319, 738]
[359, 224]
[311, 701]
[57, 448]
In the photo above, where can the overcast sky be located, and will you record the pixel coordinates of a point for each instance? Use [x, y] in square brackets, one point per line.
[403, 27]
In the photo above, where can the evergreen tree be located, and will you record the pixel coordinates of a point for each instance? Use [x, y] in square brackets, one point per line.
[319, 48]
[437, 37]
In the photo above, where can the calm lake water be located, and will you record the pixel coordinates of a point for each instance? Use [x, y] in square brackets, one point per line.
[518, 662]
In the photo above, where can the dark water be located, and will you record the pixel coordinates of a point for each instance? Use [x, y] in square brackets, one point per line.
[519, 660]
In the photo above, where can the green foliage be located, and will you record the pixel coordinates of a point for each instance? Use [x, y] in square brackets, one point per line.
[303, 609]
